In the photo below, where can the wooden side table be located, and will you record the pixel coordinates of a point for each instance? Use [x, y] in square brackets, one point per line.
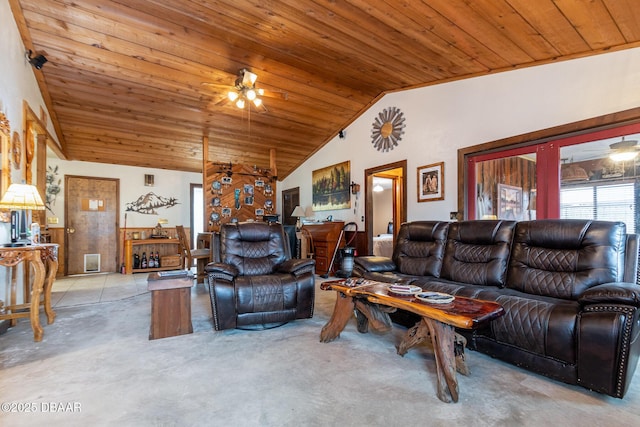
[32, 255]
[170, 306]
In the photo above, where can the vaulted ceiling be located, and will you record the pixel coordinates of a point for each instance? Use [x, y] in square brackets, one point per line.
[144, 82]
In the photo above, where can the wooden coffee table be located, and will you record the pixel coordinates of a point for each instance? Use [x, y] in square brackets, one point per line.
[372, 302]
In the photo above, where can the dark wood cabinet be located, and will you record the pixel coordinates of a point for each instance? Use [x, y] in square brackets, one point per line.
[325, 238]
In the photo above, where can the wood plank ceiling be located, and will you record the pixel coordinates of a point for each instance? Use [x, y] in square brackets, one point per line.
[124, 81]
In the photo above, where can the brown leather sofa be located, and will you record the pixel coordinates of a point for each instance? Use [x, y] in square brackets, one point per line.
[253, 282]
[569, 289]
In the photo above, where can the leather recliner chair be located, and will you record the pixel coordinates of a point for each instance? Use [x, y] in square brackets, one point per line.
[256, 284]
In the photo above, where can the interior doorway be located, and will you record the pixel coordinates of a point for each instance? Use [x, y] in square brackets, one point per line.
[290, 199]
[91, 218]
[391, 210]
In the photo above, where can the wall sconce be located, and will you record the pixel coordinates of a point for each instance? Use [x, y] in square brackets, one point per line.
[37, 61]
[148, 180]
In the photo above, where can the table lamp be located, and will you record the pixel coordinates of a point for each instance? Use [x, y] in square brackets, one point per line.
[298, 212]
[20, 197]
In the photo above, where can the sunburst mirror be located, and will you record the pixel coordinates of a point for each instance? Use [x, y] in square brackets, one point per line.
[387, 130]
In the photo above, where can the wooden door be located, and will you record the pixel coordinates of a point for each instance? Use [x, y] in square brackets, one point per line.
[91, 219]
[290, 199]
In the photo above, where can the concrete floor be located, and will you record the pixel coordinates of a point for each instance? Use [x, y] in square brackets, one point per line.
[96, 366]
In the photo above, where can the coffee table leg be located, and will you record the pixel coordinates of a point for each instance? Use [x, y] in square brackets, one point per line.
[377, 317]
[342, 312]
[442, 337]
[420, 333]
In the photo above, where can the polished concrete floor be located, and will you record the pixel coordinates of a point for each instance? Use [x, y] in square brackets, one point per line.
[97, 362]
[96, 288]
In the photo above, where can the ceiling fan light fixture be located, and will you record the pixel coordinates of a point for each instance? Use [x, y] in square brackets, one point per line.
[240, 103]
[251, 94]
[257, 102]
[623, 156]
[248, 78]
[233, 95]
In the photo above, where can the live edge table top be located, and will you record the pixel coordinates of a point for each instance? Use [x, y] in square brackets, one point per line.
[465, 313]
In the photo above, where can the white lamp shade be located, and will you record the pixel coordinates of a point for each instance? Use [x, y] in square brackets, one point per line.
[298, 212]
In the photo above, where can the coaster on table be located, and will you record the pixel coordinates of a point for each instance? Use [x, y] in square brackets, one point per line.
[434, 297]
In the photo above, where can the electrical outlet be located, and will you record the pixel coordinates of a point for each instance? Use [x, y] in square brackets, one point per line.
[453, 215]
[52, 220]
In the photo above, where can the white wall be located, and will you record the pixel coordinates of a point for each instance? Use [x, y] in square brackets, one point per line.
[443, 118]
[166, 184]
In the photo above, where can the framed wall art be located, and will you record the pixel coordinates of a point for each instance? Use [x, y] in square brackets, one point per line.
[330, 187]
[509, 202]
[431, 182]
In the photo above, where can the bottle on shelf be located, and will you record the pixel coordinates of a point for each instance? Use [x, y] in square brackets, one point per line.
[136, 261]
[158, 260]
[144, 260]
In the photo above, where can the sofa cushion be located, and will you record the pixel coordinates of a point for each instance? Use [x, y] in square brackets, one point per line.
[564, 258]
[477, 252]
[419, 248]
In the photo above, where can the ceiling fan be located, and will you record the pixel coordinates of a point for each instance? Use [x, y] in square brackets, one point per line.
[620, 151]
[244, 92]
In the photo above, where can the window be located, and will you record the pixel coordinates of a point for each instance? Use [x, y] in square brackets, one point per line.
[614, 202]
[587, 175]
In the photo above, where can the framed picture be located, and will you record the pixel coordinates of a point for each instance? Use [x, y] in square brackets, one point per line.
[431, 182]
[509, 202]
[330, 187]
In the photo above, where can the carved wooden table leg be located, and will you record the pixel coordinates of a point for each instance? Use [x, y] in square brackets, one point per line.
[341, 314]
[414, 336]
[442, 337]
[50, 257]
[420, 333]
[444, 340]
[361, 321]
[459, 345]
[38, 286]
[377, 317]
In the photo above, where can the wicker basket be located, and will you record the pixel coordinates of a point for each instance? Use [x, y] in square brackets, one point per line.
[170, 261]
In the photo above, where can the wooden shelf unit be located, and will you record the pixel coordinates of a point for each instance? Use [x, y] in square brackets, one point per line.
[163, 246]
[325, 238]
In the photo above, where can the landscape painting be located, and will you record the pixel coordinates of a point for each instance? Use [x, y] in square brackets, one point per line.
[330, 187]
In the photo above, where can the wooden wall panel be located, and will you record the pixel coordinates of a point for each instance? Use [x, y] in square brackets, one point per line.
[250, 190]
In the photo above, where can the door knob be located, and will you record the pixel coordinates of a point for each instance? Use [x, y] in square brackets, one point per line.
[71, 230]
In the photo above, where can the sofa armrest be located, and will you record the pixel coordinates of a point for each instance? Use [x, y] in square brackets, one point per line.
[297, 266]
[375, 264]
[612, 293]
[218, 270]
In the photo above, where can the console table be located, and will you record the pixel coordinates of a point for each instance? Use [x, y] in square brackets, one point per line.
[325, 238]
[44, 261]
[163, 246]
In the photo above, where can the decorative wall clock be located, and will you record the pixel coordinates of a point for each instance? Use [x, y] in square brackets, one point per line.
[16, 150]
[387, 130]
